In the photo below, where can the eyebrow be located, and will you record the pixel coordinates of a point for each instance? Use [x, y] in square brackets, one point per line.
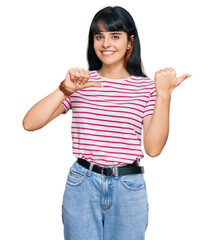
[113, 33]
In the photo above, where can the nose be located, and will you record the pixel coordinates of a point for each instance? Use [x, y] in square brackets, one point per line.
[106, 42]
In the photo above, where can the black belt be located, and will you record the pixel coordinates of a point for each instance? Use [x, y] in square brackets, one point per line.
[109, 171]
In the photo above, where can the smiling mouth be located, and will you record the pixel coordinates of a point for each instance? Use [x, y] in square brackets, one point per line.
[107, 53]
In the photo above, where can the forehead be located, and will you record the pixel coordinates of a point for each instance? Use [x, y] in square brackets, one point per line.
[103, 28]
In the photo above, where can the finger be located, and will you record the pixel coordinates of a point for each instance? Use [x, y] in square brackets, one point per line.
[84, 81]
[76, 74]
[82, 74]
[93, 84]
[172, 69]
[182, 78]
[156, 73]
[76, 69]
[71, 71]
[68, 75]
[79, 76]
[86, 77]
[168, 70]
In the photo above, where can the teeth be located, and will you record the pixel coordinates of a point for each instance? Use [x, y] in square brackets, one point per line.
[107, 52]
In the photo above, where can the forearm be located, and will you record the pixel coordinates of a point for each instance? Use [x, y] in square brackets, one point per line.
[39, 115]
[157, 133]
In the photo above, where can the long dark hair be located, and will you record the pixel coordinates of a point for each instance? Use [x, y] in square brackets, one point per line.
[116, 19]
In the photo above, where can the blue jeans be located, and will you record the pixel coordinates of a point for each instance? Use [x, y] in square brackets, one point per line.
[99, 208]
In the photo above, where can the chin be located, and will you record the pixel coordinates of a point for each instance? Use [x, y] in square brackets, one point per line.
[110, 61]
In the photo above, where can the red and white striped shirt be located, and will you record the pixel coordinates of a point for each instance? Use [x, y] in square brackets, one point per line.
[107, 121]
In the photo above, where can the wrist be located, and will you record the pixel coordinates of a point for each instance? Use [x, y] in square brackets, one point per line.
[66, 91]
[60, 94]
[164, 96]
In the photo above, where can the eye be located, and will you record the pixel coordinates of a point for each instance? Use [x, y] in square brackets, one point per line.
[98, 37]
[115, 37]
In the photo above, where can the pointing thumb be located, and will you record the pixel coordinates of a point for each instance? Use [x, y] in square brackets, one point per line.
[95, 84]
[183, 77]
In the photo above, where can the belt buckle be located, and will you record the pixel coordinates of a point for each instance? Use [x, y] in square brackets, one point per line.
[113, 173]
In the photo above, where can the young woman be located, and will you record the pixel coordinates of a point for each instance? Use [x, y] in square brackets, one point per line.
[105, 195]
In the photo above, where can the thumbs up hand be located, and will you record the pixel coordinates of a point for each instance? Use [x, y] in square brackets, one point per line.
[166, 81]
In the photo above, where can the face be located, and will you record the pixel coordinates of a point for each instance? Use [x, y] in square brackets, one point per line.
[111, 47]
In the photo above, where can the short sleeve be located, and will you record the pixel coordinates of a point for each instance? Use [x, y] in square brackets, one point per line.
[150, 105]
[67, 104]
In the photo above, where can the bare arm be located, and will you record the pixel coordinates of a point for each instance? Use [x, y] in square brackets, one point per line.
[156, 128]
[44, 111]
[50, 107]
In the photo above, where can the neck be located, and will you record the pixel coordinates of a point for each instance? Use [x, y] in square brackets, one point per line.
[116, 72]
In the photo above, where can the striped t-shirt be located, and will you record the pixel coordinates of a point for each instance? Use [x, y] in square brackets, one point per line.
[107, 121]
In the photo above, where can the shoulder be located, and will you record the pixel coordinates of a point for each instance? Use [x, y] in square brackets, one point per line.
[94, 74]
[146, 80]
[142, 78]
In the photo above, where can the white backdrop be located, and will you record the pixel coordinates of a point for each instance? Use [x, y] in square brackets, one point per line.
[40, 41]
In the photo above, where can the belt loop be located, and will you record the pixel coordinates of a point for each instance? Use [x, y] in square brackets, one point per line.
[116, 172]
[90, 169]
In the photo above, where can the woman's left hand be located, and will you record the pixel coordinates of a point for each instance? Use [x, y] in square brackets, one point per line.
[166, 81]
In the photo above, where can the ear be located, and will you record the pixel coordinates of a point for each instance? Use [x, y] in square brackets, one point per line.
[131, 40]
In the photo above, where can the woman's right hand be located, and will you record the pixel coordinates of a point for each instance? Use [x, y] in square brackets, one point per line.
[50, 107]
[77, 79]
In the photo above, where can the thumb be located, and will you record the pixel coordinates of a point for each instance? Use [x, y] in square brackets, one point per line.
[182, 78]
[93, 84]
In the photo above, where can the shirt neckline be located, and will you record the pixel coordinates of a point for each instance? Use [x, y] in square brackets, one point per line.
[113, 79]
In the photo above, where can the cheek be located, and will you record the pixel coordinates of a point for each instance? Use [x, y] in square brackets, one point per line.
[122, 46]
[96, 47]
[123, 50]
